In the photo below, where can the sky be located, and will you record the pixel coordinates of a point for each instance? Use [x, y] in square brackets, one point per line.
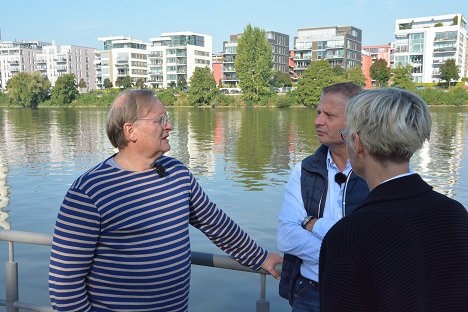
[81, 22]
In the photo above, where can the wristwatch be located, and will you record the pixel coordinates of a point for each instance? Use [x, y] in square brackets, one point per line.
[306, 220]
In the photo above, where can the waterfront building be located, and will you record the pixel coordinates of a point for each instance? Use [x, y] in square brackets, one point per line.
[54, 61]
[122, 56]
[16, 57]
[217, 67]
[280, 55]
[425, 43]
[340, 45]
[366, 61]
[370, 54]
[174, 56]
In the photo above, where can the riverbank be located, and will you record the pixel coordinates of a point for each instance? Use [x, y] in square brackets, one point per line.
[456, 96]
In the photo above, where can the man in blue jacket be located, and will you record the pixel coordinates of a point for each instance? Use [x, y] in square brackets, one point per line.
[321, 190]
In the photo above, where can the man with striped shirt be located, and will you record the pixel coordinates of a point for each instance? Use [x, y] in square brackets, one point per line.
[121, 239]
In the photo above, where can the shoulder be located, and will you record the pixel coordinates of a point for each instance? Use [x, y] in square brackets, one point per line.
[316, 160]
[101, 171]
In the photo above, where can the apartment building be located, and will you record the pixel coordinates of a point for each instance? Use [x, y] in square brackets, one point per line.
[339, 45]
[55, 60]
[217, 67]
[122, 56]
[370, 54]
[280, 55]
[174, 56]
[425, 43]
[16, 57]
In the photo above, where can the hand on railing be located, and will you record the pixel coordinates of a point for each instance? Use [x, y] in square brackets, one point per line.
[270, 262]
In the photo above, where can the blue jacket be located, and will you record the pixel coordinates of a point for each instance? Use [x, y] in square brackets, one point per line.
[314, 185]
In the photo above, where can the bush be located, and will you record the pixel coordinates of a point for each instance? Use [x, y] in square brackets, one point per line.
[225, 100]
[284, 101]
[4, 99]
[181, 100]
[456, 96]
[167, 97]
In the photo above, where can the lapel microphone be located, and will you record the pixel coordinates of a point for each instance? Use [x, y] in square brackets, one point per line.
[340, 178]
[159, 169]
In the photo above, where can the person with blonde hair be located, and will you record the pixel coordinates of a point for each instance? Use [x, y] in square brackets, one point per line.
[406, 247]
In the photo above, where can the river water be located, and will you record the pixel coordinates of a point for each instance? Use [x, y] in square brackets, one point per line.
[241, 157]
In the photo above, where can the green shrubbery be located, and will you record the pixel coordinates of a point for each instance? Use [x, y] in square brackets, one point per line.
[456, 96]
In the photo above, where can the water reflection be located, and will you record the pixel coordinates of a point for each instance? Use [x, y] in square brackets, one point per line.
[254, 148]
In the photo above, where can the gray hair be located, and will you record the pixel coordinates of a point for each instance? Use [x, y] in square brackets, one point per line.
[392, 123]
[128, 107]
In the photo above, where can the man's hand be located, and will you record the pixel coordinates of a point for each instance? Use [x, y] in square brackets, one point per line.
[270, 262]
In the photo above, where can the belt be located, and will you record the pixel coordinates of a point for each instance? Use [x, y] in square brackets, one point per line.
[308, 281]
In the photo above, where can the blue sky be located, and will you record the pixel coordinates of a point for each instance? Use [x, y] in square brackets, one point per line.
[81, 22]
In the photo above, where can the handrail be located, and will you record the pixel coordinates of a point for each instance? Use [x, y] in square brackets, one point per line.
[198, 258]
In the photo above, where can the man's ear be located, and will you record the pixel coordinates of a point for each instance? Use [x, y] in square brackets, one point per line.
[129, 132]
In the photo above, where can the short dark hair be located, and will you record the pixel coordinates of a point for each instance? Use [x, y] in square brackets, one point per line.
[347, 89]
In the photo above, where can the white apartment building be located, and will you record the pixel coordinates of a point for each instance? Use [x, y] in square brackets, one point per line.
[174, 56]
[16, 57]
[340, 45]
[427, 42]
[122, 56]
[55, 61]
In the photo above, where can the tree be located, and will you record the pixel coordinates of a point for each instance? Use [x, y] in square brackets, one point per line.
[355, 74]
[449, 71]
[140, 83]
[123, 82]
[402, 77]
[65, 89]
[281, 80]
[338, 70]
[172, 84]
[107, 83]
[253, 64]
[28, 89]
[202, 87]
[82, 84]
[380, 72]
[181, 82]
[309, 88]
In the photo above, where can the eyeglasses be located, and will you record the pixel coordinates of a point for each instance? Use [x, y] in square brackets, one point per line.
[162, 121]
[344, 134]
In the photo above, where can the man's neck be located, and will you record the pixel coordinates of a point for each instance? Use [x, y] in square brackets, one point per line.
[339, 156]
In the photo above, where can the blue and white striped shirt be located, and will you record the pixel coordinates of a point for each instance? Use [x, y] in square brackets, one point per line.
[121, 240]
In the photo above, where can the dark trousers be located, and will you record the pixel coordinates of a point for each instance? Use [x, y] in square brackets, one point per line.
[306, 296]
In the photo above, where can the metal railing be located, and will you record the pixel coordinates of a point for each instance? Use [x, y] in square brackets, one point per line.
[12, 303]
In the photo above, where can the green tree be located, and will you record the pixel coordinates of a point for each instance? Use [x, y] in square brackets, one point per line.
[123, 82]
[140, 83]
[253, 64]
[355, 74]
[28, 89]
[402, 77]
[107, 83]
[172, 84]
[202, 87]
[339, 71]
[65, 89]
[82, 84]
[309, 87]
[281, 80]
[380, 72]
[449, 71]
[181, 82]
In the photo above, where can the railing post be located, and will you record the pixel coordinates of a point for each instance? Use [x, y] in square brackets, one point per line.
[263, 305]
[11, 273]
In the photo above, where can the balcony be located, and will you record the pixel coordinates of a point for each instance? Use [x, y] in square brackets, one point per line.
[61, 68]
[14, 68]
[41, 67]
[302, 57]
[443, 50]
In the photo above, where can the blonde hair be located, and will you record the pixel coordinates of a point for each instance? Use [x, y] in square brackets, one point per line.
[392, 123]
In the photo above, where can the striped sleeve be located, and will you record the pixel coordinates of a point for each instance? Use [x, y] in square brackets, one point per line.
[73, 247]
[222, 230]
